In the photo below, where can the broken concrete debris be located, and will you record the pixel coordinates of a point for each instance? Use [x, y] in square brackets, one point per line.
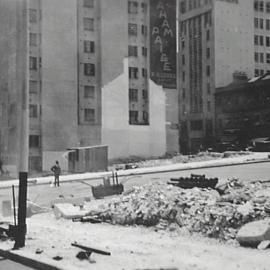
[199, 210]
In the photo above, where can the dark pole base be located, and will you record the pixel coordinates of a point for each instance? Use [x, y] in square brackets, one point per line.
[21, 229]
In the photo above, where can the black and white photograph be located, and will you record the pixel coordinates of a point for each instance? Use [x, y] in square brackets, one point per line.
[135, 134]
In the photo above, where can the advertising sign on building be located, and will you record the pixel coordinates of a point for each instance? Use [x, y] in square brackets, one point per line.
[163, 42]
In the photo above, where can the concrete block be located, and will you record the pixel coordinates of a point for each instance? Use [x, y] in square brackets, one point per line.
[253, 233]
[68, 211]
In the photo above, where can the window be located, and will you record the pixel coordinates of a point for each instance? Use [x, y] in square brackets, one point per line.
[261, 6]
[207, 70]
[256, 22]
[256, 72]
[132, 7]
[33, 63]
[208, 53]
[133, 117]
[261, 58]
[256, 57]
[132, 29]
[89, 46]
[196, 125]
[33, 87]
[267, 24]
[208, 87]
[89, 115]
[34, 141]
[183, 76]
[256, 40]
[183, 7]
[268, 58]
[183, 93]
[256, 5]
[208, 35]
[183, 44]
[144, 51]
[33, 39]
[88, 24]
[261, 40]
[88, 3]
[32, 15]
[144, 72]
[89, 91]
[144, 94]
[145, 116]
[183, 60]
[89, 69]
[144, 7]
[261, 72]
[133, 94]
[267, 41]
[208, 106]
[33, 111]
[133, 72]
[144, 30]
[268, 7]
[132, 51]
[261, 23]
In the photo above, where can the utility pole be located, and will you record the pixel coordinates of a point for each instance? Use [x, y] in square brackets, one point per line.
[22, 68]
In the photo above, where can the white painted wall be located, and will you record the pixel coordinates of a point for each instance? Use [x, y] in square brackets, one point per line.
[123, 139]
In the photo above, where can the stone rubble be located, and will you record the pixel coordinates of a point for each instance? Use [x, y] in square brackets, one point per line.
[197, 210]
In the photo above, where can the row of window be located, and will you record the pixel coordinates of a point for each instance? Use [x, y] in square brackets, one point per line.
[133, 94]
[133, 72]
[259, 23]
[261, 6]
[134, 117]
[133, 7]
[33, 62]
[192, 4]
[208, 73]
[259, 57]
[259, 41]
[194, 24]
[133, 29]
[260, 72]
[133, 51]
[207, 56]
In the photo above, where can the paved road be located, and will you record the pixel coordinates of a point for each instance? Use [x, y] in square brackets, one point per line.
[10, 265]
[44, 194]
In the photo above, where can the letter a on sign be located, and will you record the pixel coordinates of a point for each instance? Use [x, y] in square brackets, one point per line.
[155, 31]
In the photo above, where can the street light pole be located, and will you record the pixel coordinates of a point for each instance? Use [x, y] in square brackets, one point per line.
[23, 87]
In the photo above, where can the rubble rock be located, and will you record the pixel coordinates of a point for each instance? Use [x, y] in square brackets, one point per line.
[253, 233]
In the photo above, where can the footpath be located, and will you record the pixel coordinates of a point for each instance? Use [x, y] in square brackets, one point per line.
[242, 159]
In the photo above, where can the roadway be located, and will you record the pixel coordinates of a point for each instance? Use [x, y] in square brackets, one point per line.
[44, 194]
[7, 264]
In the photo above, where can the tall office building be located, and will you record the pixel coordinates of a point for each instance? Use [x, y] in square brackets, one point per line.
[216, 39]
[91, 78]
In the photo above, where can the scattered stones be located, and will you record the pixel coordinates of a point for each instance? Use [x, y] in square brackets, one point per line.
[197, 210]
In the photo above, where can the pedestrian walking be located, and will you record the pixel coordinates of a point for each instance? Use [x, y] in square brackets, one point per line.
[56, 169]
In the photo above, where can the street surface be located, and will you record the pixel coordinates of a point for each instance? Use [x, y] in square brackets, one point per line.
[44, 194]
[10, 265]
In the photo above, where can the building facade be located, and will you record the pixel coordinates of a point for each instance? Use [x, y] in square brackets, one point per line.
[243, 111]
[216, 39]
[84, 56]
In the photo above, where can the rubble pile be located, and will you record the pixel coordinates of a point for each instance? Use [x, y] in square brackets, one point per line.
[217, 214]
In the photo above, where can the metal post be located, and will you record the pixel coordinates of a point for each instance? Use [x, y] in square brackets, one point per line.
[14, 205]
[23, 87]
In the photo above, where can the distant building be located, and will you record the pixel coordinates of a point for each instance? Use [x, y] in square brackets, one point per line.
[216, 39]
[92, 79]
[243, 110]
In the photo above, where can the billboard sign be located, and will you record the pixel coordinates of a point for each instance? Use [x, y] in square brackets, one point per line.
[163, 42]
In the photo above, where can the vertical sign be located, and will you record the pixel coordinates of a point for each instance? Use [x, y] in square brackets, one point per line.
[163, 42]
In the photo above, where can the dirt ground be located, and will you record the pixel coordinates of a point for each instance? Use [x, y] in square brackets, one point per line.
[133, 247]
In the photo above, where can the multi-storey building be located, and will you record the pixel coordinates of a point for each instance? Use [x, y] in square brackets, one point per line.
[215, 40]
[89, 80]
[261, 37]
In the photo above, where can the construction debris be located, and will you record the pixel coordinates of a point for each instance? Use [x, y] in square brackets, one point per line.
[199, 210]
